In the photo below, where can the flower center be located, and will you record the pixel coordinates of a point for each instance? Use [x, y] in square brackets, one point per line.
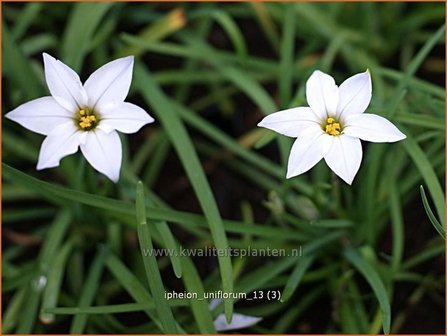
[86, 119]
[332, 127]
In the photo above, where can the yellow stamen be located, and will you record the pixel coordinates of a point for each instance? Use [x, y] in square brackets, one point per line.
[87, 119]
[332, 127]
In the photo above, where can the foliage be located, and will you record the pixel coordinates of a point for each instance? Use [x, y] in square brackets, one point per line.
[208, 73]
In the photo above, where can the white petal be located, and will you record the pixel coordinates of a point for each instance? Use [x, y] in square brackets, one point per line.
[355, 95]
[322, 94]
[103, 151]
[109, 85]
[239, 321]
[290, 122]
[41, 115]
[62, 141]
[371, 127]
[64, 84]
[126, 118]
[344, 157]
[307, 152]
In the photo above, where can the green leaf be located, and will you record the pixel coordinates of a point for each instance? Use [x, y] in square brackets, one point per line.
[185, 150]
[57, 193]
[111, 309]
[200, 310]
[372, 277]
[438, 226]
[12, 311]
[82, 23]
[89, 291]
[287, 56]
[428, 174]
[233, 31]
[134, 287]
[301, 267]
[18, 68]
[53, 287]
[29, 13]
[153, 276]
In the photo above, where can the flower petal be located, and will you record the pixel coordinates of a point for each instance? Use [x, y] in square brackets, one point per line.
[109, 85]
[239, 321]
[40, 115]
[290, 122]
[355, 95]
[62, 141]
[344, 157]
[307, 152]
[126, 118]
[103, 151]
[372, 127]
[322, 94]
[64, 84]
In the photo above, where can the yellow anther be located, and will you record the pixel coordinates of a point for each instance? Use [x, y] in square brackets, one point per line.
[86, 120]
[332, 127]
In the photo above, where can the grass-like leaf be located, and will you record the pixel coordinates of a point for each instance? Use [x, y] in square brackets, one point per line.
[297, 274]
[89, 290]
[185, 150]
[17, 68]
[425, 168]
[80, 28]
[60, 194]
[53, 287]
[438, 226]
[153, 276]
[371, 276]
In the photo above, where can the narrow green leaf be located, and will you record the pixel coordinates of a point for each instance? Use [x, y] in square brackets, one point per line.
[57, 193]
[12, 311]
[28, 314]
[438, 226]
[417, 61]
[27, 16]
[200, 310]
[287, 55]
[428, 174]
[171, 245]
[372, 277]
[153, 276]
[53, 287]
[17, 67]
[89, 291]
[111, 309]
[267, 24]
[133, 286]
[397, 226]
[185, 150]
[294, 280]
[427, 253]
[82, 23]
[233, 31]
[332, 223]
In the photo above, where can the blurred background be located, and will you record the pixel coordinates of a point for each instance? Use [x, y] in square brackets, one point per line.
[221, 67]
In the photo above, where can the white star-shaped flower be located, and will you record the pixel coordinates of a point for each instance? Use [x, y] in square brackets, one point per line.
[332, 126]
[85, 116]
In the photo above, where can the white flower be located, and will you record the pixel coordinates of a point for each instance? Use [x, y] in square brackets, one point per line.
[85, 116]
[332, 126]
[239, 321]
